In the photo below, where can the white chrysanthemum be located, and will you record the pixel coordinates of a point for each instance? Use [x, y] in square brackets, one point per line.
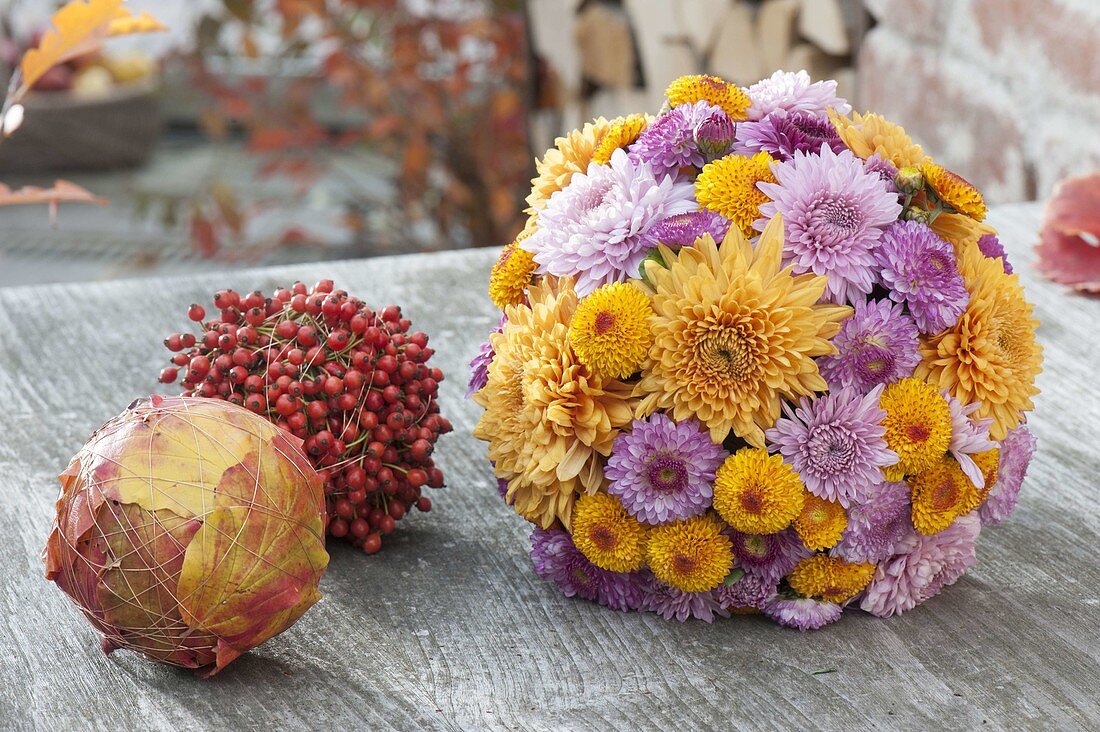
[793, 91]
[596, 229]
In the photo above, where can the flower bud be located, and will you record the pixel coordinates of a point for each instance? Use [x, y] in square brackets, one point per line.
[909, 180]
[916, 213]
[653, 255]
[714, 134]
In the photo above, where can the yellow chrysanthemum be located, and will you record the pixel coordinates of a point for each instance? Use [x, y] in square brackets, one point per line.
[733, 334]
[962, 231]
[690, 89]
[990, 355]
[868, 134]
[511, 275]
[941, 493]
[918, 425]
[621, 132]
[954, 190]
[605, 533]
[821, 523]
[988, 462]
[728, 186]
[549, 421]
[830, 578]
[610, 332]
[757, 493]
[692, 555]
[571, 154]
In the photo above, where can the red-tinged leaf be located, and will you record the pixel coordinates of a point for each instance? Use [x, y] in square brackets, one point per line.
[1069, 246]
[203, 235]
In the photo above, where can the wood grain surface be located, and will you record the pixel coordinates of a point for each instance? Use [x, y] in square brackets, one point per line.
[449, 628]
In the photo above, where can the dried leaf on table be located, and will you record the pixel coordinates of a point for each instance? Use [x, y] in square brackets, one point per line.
[1069, 246]
[62, 192]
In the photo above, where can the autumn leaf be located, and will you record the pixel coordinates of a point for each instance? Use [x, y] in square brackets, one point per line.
[1069, 247]
[126, 24]
[62, 192]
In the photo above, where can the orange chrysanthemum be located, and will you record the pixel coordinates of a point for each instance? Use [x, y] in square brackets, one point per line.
[941, 493]
[990, 355]
[954, 190]
[549, 421]
[607, 535]
[830, 578]
[692, 555]
[511, 275]
[734, 333]
[868, 134]
[728, 186]
[918, 425]
[757, 493]
[988, 463]
[821, 523]
[571, 154]
[610, 331]
[621, 132]
[961, 230]
[690, 89]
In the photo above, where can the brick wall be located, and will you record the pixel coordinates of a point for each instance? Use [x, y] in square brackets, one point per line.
[1006, 92]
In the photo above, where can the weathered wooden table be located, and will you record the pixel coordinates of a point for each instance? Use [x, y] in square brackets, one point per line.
[449, 628]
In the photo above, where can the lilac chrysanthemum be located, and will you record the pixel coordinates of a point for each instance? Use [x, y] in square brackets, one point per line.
[833, 215]
[683, 229]
[597, 228]
[968, 437]
[836, 443]
[884, 169]
[794, 92]
[623, 591]
[919, 269]
[781, 135]
[1016, 450]
[479, 366]
[673, 604]
[803, 613]
[990, 246]
[670, 142]
[877, 524]
[663, 471]
[769, 557]
[922, 566]
[749, 591]
[876, 345]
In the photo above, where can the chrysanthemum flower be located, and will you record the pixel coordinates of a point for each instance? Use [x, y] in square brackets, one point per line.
[571, 154]
[670, 142]
[990, 246]
[954, 190]
[793, 91]
[691, 555]
[511, 276]
[768, 556]
[757, 493]
[877, 345]
[751, 591]
[479, 365]
[918, 268]
[835, 213]
[962, 231]
[781, 135]
[730, 98]
[829, 578]
[990, 355]
[673, 604]
[835, 442]
[871, 134]
[728, 186]
[821, 523]
[1016, 450]
[597, 229]
[684, 229]
[620, 134]
[664, 471]
[968, 437]
[877, 524]
[549, 421]
[803, 613]
[610, 330]
[941, 493]
[918, 425]
[987, 463]
[733, 334]
[922, 566]
[557, 560]
[884, 169]
[607, 535]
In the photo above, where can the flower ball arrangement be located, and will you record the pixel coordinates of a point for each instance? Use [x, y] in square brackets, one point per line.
[758, 354]
[353, 383]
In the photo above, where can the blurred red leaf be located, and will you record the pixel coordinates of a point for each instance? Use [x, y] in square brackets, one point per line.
[203, 235]
[1069, 246]
[62, 192]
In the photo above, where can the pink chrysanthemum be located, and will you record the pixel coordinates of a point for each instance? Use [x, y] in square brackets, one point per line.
[673, 604]
[877, 524]
[597, 228]
[919, 269]
[558, 560]
[794, 91]
[834, 213]
[990, 246]
[768, 556]
[781, 135]
[922, 566]
[968, 437]
[884, 169]
[479, 366]
[1016, 450]
[682, 230]
[803, 613]
[749, 591]
[836, 443]
[876, 345]
[671, 141]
